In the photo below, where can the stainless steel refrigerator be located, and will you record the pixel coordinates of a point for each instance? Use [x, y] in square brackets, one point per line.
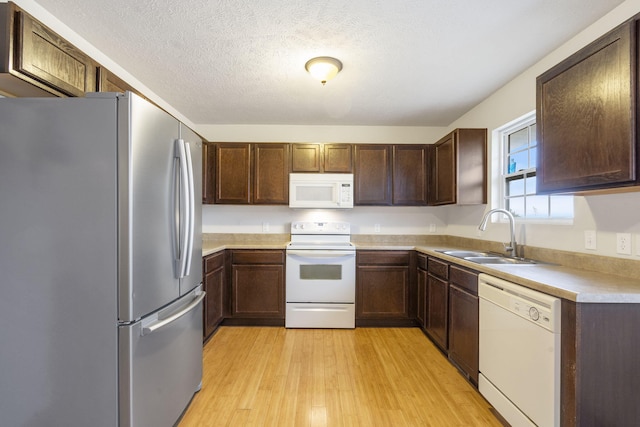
[100, 262]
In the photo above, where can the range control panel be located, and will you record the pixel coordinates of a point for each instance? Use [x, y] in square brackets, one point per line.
[320, 227]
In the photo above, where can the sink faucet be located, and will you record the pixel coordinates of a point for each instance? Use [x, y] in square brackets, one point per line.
[512, 246]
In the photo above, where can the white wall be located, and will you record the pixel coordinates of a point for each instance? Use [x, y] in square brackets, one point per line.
[607, 214]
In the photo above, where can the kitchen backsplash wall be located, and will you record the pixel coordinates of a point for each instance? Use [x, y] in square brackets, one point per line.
[364, 220]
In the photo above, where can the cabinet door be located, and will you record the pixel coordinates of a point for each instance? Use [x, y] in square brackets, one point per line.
[444, 171]
[338, 158]
[382, 292]
[233, 173]
[422, 298]
[372, 178]
[586, 117]
[306, 158]
[214, 279]
[271, 174]
[437, 310]
[46, 57]
[463, 331]
[109, 82]
[410, 175]
[257, 291]
[208, 173]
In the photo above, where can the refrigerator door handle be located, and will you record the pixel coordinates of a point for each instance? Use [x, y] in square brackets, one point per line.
[148, 329]
[184, 212]
[192, 211]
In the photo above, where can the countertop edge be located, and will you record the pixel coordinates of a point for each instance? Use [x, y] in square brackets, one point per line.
[581, 286]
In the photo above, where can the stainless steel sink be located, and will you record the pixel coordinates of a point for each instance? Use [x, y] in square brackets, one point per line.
[499, 260]
[465, 254]
[481, 257]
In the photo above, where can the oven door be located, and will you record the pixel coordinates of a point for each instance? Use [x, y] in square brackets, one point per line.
[317, 275]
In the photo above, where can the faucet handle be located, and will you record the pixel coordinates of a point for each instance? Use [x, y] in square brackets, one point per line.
[509, 248]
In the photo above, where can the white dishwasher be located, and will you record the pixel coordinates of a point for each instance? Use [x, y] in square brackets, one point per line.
[519, 354]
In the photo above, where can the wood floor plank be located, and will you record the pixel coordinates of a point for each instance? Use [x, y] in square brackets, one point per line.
[364, 377]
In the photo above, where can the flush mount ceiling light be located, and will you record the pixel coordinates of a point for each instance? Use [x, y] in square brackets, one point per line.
[323, 68]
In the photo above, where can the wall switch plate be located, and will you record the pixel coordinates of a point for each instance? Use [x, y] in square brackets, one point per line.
[590, 240]
[623, 243]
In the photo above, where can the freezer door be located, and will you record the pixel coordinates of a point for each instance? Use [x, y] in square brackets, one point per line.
[58, 275]
[193, 273]
[161, 363]
[146, 184]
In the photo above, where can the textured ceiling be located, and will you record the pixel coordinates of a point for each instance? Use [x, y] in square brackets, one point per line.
[406, 62]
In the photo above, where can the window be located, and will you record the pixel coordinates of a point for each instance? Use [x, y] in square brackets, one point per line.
[520, 149]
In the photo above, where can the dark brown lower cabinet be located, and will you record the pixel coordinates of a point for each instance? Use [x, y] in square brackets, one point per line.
[437, 316]
[600, 378]
[421, 282]
[383, 288]
[214, 280]
[464, 313]
[257, 286]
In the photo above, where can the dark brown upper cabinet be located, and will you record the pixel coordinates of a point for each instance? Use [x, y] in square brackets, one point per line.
[251, 173]
[372, 177]
[586, 117]
[233, 173]
[35, 61]
[459, 168]
[109, 82]
[208, 173]
[410, 175]
[316, 157]
[271, 174]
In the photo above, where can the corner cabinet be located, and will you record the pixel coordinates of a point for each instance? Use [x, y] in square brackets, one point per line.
[459, 168]
[35, 61]
[586, 117]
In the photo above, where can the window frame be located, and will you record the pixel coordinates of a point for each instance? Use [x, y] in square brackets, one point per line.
[502, 177]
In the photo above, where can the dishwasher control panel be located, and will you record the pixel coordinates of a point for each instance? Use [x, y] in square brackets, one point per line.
[539, 308]
[534, 312]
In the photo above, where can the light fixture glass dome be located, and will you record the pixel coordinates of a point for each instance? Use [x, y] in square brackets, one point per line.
[323, 68]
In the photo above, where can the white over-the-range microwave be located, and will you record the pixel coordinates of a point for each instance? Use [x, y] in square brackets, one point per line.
[321, 190]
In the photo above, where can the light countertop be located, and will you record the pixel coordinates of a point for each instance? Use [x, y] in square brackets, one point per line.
[574, 284]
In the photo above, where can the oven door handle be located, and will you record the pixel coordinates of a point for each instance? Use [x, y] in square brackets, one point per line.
[320, 253]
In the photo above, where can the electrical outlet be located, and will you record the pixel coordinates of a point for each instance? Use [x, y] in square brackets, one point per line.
[638, 244]
[265, 227]
[623, 243]
[376, 228]
[432, 228]
[590, 240]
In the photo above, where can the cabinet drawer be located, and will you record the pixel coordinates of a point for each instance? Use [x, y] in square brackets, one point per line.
[422, 261]
[438, 268]
[465, 279]
[258, 257]
[213, 261]
[383, 257]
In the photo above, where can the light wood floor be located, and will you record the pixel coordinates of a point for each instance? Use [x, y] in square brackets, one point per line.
[269, 376]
